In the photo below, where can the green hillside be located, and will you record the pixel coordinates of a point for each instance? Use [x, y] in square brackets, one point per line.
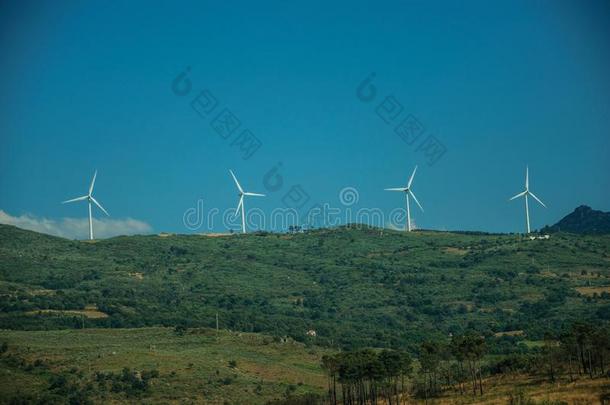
[154, 365]
[354, 287]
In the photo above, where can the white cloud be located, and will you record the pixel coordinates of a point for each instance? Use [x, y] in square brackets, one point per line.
[77, 228]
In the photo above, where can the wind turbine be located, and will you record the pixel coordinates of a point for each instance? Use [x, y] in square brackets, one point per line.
[242, 194]
[408, 192]
[90, 199]
[525, 194]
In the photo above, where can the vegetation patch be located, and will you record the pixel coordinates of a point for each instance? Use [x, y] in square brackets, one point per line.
[594, 291]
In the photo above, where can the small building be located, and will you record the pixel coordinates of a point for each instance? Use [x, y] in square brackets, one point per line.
[532, 237]
[311, 333]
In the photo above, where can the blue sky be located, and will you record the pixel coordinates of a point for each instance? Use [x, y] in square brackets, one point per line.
[88, 86]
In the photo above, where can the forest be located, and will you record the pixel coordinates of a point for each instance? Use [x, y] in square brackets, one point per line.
[460, 364]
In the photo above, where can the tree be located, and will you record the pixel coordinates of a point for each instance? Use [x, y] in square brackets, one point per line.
[330, 366]
[470, 348]
[391, 362]
[429, 359]
[550, 355]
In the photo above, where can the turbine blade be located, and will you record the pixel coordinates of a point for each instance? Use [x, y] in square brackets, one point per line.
[99, 206]
[236, 182]
[76, 199]
[411, 178]
[92, 183]
[527, 177]
[537, 199]
[396, 189]
[241, 201]
[255, 194]
[415, 198]
[518, 195]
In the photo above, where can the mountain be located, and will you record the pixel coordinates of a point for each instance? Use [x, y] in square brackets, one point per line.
[584, 220]
[354, 286]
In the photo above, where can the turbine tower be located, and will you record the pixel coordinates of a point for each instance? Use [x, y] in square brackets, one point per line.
[408, 192]
[242, 194]
[525, 194]
[90, 199]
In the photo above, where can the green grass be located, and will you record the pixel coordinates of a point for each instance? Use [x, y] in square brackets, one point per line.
[193, 367]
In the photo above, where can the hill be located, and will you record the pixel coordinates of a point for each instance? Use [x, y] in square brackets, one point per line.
[356, 287]
[583, 220]
[197, 366]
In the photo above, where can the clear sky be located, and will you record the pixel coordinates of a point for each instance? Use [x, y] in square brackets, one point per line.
[92, 85]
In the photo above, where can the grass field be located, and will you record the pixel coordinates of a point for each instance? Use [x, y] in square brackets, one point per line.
[196, 366]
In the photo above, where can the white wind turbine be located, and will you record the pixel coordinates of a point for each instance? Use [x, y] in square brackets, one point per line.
[525, 194]
[407, 191]
[242, 194]
[90, 199]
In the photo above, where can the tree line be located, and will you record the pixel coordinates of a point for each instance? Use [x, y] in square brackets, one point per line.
[461, 364]
[581, 350]
[365, 376]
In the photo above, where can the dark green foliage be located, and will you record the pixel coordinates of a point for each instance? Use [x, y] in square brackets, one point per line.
[131, 383]
[365, 375]
[355, 287]
[180, 330]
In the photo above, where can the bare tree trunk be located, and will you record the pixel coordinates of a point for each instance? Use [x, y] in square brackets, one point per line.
[396, 391]
[334, 390]
[426, 388]
[402, 387]
[480, 381]
[582, 360]
[473, 378]
[461, 382]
